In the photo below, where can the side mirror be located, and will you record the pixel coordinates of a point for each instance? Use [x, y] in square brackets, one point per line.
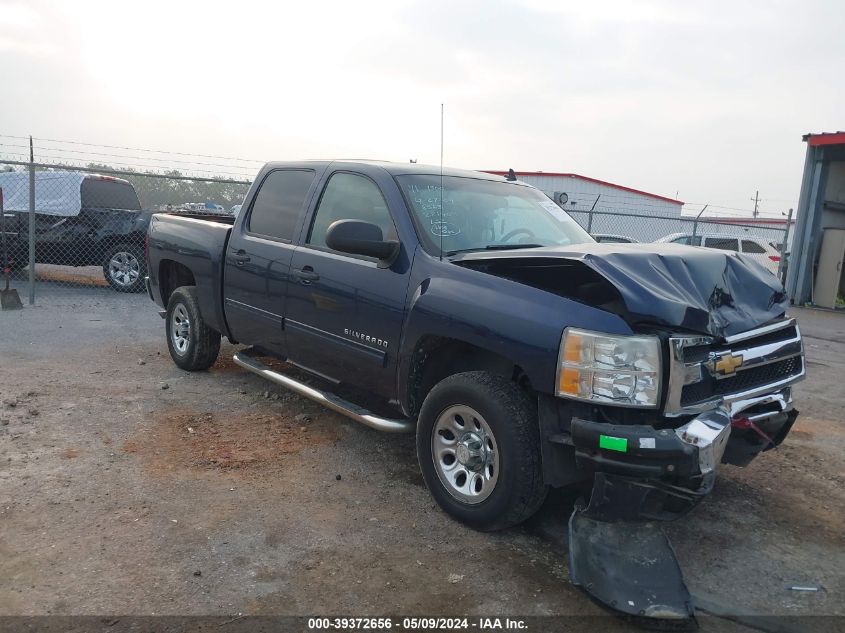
[360, 238]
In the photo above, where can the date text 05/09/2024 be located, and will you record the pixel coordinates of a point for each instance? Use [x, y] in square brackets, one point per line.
[416, 624]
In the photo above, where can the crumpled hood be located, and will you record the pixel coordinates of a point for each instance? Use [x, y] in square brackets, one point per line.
[700, 289]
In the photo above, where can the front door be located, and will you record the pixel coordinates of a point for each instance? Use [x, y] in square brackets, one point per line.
[344, 313]
[258, 258]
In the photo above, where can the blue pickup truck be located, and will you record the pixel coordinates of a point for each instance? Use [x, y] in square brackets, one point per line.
[523, 354]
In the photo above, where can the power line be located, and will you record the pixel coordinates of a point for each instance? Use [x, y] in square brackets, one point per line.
[136, 149]
[61, 158]
[86, 152]
[122, 172]
[107, 168]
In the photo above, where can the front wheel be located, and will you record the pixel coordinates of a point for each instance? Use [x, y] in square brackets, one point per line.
[193, 345]
[124, 268]
[478, 445]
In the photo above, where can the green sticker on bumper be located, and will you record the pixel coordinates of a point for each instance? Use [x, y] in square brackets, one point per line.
[613, 443]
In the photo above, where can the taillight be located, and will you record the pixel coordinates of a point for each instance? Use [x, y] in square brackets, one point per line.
[774, 258]
[147, 249]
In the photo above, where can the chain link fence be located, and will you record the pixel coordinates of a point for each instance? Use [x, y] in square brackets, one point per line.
[73, 222]
[765, 241]
[79, 223]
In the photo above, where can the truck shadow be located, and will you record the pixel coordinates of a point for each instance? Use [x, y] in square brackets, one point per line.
[551, 523]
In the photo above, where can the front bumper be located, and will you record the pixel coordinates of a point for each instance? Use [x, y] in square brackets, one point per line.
[649, 473]
[639, 472]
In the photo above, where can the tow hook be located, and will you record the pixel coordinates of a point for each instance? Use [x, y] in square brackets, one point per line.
[744, 422]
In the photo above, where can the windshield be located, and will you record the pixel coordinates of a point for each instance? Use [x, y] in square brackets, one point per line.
[485, 214]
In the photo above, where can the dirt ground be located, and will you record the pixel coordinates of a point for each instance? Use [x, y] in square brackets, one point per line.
[130, 487]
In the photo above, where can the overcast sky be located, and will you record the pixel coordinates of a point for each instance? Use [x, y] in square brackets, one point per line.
[707, 100]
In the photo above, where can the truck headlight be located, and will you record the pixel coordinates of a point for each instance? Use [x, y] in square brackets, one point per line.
[619, 370]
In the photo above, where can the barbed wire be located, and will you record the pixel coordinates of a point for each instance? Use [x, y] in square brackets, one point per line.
[247, 170]
[153, 158]
[134, 149]
[63, 162]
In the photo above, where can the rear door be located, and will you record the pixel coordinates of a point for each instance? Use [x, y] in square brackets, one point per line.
[344, 312]
[769, 258]
[258, 258]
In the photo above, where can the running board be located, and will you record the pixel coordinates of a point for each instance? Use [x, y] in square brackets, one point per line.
[327, 399]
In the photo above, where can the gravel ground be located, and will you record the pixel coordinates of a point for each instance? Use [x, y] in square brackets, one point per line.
[130, 487]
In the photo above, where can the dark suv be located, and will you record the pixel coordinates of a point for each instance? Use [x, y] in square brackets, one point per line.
[80, 220]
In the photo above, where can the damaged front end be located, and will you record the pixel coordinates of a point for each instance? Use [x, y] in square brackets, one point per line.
[728, 360]
[725, 401]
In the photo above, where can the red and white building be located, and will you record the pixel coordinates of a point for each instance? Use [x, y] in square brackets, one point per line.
[580, 193]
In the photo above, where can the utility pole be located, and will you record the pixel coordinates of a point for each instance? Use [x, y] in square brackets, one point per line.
[756, 200]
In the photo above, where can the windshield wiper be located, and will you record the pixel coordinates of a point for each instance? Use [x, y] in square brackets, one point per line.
[493, 247]
[507, 247]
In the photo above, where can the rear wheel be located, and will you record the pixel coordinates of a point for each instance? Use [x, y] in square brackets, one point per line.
[478, 445]
[124, 268]
[193, 345]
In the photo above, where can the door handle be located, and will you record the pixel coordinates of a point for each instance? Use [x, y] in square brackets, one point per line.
[306, 274]
[241, 257]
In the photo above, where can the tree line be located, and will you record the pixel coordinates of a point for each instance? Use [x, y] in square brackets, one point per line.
[157, 191]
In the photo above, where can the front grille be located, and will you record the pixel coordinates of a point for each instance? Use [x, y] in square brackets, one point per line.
[743, 381]
[772, 337]
[772, 356]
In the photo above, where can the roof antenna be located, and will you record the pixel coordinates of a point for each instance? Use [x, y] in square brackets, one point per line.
[511, 175]
[441, 182]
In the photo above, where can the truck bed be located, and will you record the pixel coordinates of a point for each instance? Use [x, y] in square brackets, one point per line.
[190, 244]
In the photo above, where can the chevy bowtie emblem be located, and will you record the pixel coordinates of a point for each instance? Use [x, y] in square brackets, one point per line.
[726, 364]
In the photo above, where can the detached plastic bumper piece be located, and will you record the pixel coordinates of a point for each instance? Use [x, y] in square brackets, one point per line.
[629, 568]
[618, 554]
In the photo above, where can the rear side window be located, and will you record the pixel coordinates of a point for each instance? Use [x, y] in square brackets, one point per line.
[278, 203]
[722, 243]
[752, 247]
[99, 193]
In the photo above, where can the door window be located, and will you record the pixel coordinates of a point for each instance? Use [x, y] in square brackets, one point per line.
[350, 197]
[749, 246]
[722, 243]
[279, 202]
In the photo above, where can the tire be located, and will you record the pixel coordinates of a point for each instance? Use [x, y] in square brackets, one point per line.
[193, 345]
[124, 267]
[503, 481]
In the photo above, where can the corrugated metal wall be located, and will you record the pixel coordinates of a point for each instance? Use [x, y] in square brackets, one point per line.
[582, 194]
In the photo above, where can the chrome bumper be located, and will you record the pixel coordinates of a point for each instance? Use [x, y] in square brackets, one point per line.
[710, 431]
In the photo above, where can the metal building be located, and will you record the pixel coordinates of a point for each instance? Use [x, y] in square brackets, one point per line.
[582, 193]
[814, 271]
